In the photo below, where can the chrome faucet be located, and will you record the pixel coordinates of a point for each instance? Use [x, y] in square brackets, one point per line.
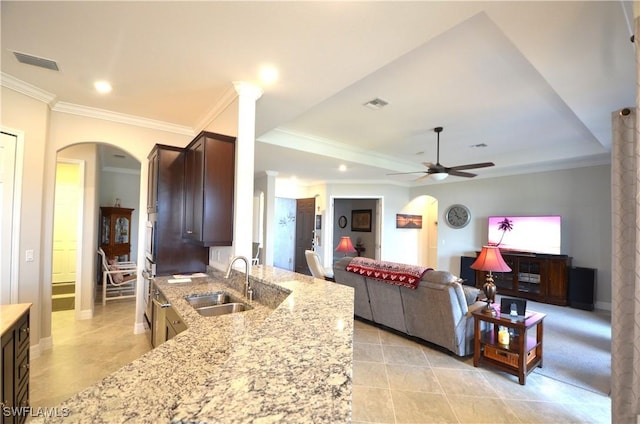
[248, 291]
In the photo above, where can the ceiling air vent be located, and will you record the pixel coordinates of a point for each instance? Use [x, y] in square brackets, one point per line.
[36, 61]
[376, 104]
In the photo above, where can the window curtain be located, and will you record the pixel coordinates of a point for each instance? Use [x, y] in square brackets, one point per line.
[625, 260]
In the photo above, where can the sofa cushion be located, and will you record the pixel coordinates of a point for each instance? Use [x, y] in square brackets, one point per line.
[470, 294]
[441, 277]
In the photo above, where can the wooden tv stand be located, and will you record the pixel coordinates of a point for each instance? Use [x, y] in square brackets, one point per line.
[542, 278]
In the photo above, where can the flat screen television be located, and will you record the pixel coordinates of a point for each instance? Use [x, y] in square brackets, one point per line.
[534, 234]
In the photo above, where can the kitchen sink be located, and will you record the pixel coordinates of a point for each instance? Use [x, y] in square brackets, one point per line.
[215, 304]
[227, 308]
[199, 300]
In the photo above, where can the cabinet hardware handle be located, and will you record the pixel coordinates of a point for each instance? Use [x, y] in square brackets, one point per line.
[175, 322]
[25, 330]
[189, 232]
[25, 366]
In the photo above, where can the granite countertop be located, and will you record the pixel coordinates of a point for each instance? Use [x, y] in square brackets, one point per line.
[10, 314]
[288, 359]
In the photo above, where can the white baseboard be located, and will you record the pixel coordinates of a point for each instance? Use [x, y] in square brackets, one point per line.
[86, 314]
[139, 328]
[606, 306]
[36, 350]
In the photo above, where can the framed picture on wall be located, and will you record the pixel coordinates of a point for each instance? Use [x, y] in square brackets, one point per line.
[408, 221]
[361, 220]
[318, 222]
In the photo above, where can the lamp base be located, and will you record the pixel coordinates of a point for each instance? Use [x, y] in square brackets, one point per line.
[488, 310]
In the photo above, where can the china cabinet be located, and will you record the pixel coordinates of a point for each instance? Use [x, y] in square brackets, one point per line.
[115, 232]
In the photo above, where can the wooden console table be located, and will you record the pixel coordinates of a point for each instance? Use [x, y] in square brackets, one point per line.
[521, 355]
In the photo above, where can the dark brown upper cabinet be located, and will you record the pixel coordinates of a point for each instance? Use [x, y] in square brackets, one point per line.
[209, 189]
[171, 253]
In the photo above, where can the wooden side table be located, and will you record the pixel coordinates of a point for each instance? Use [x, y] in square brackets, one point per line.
[521, 355]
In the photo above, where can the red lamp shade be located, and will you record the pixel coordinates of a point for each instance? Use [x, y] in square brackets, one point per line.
[345, 245]
[490, 259]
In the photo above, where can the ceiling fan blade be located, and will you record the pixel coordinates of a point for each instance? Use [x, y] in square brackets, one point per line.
[406, 173]
[472, 166]
[460, 174]
[424, 177]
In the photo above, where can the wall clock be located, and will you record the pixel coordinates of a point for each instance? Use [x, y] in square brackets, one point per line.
[458, 216]
[342, 221]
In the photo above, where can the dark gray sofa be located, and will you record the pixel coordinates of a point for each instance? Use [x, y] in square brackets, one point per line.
[438, 310]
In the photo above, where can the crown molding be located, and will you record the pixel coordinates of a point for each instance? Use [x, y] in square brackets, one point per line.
[228, 97]
[121, 118]
[50, 99]
[27, 89]
[326, 147]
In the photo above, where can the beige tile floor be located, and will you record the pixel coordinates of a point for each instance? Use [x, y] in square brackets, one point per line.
[395, 380]
[84, 352]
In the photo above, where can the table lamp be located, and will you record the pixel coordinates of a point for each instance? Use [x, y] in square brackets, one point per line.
[490, 260]
[345, 245]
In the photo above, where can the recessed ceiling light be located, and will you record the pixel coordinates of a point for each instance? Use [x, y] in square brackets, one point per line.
[268, 74]
[342, 168]
[102, 86]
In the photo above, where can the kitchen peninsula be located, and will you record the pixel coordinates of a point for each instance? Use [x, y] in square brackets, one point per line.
[288, 359]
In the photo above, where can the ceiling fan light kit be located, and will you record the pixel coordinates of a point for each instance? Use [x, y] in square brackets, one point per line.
[439, 176]
[438, 172]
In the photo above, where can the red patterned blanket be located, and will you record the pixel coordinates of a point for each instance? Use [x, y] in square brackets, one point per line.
[389, 272]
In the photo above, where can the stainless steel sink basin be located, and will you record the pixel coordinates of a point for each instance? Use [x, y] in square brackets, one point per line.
[199, 300]
[227, 308]
[215, 304]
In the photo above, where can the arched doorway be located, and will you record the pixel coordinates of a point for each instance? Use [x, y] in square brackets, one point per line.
[107, 173]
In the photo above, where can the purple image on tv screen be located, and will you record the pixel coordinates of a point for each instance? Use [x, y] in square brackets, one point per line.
[536, 234]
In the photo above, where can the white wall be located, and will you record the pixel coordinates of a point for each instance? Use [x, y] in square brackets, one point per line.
[581, 196]
[30, 116]
[395, 245]
[124, 185]
[46, 133]
[343, 207]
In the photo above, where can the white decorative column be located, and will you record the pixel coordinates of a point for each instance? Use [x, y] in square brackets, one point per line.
[269, 216]
[245, 146]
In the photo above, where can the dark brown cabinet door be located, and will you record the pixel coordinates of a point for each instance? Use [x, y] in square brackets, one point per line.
[558, 277]
[193, 194]
[152, 182]
[14, 387]
[8, 374]
[209, 190]
[173, 254]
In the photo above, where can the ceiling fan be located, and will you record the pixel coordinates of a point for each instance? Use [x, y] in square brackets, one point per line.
[439, 172]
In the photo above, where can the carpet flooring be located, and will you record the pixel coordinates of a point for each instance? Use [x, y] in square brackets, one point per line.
[576, 346]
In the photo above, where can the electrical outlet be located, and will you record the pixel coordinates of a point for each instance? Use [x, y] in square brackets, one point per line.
[28, 255]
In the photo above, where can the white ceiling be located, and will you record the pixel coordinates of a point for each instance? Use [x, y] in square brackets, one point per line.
[534, 81]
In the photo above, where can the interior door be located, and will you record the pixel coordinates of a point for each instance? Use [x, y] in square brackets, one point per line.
[65, 223]
[7, 175]
[305, 227]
